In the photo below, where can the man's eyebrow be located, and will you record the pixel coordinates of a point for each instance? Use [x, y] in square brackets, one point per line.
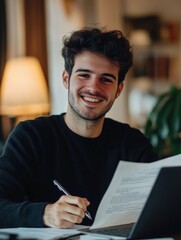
[83, 70]
[89, 71]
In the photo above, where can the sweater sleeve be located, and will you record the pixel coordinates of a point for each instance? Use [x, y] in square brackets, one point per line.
[17, 167]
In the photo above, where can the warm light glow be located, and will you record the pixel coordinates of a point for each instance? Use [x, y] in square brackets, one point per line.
[24, 90]
[140, 37]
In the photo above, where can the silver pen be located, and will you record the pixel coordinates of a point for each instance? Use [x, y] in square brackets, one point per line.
[61, 188]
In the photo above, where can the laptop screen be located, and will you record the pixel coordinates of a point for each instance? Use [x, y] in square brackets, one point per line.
[161, 215]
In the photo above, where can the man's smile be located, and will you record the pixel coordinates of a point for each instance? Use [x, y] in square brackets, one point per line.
[91, 99]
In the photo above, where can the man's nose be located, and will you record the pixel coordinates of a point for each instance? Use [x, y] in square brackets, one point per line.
[94, 83]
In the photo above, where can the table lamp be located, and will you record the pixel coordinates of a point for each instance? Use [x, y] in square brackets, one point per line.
[24, 89]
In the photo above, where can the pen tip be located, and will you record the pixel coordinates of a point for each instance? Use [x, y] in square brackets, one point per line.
[88, 215]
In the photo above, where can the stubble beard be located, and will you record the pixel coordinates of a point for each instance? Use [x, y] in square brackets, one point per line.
[88, 116]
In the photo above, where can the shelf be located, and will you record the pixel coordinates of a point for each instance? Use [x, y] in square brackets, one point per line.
[159, 49]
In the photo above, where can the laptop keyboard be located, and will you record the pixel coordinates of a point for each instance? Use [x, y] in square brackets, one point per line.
[121, 230]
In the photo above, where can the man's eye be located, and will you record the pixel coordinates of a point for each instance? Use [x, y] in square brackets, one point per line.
[107, 80]
[83, 76]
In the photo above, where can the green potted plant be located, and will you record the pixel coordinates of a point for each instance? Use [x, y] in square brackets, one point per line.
[163, 126]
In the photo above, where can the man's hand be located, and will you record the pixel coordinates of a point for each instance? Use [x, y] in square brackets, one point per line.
[66, 212]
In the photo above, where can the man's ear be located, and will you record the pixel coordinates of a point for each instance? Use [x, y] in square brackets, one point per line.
[65, 78]
[119, 90]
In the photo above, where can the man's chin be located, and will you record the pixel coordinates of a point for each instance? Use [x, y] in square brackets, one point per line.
[91, 117]
[88, 115]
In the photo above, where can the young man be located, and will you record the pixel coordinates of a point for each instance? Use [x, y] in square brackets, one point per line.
[80, 148]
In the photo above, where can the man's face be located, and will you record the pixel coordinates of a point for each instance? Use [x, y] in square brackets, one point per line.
[93, 85]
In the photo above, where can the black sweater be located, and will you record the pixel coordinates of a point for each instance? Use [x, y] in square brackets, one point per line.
[41, 150]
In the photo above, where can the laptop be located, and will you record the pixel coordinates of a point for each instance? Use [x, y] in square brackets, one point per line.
[160, 216]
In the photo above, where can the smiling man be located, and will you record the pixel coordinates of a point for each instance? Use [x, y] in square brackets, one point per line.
[93, 87]
[80, 148]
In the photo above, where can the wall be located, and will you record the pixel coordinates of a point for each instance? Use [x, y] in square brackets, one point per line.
[15, 28]
[59, 23]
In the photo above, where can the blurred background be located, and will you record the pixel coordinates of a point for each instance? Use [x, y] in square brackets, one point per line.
[31, 35]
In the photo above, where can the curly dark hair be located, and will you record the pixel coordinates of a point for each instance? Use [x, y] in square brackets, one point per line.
[112, 44]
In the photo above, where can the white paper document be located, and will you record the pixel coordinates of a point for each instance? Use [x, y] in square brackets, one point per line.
[40, 233]
[49, 233]
[128, 191]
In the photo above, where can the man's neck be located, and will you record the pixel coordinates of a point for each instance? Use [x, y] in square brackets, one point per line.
[82, 127]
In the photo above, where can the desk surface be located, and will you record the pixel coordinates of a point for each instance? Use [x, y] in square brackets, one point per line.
[55, 234]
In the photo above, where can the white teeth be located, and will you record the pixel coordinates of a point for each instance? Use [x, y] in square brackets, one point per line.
[89, 99]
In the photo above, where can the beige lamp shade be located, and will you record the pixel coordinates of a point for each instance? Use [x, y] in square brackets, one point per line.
[140, 37]
[24, 89]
